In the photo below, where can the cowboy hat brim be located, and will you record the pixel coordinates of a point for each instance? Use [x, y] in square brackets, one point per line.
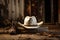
[31, 27]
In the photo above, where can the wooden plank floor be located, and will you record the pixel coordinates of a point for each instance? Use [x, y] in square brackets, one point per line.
[26, 37]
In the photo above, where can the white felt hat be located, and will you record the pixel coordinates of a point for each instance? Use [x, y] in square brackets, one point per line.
[30, 22]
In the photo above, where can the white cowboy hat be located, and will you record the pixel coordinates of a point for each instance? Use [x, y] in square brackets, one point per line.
[30, 22]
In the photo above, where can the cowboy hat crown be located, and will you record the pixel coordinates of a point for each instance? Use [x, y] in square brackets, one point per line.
[30, 20]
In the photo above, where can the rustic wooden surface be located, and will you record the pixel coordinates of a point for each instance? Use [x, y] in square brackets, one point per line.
[26, 37]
